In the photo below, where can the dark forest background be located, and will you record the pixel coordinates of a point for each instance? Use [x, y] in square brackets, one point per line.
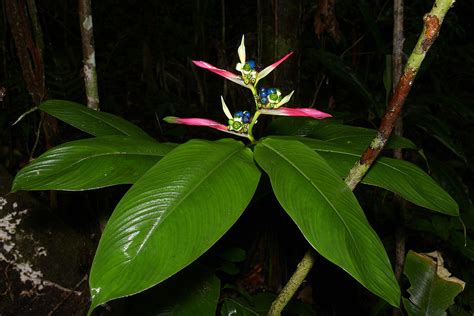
[144, 51]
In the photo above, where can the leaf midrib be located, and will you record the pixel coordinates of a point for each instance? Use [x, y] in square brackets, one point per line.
[399, 170]
[69, 166]
[173, 208]
[311, 182]
[102, 120]
[357, 156]
[98, 118]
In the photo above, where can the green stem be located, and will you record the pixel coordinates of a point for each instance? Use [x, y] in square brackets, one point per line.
[254, 121]
[255, 94]
[296, 279]
[432, 24]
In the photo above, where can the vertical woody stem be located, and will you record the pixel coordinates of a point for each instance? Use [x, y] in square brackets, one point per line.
[88, 52]
[397, 66]
[432, 23]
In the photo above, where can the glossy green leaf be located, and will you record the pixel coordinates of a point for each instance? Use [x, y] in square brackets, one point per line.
[353, 136]
[432, 288]
[401, 177]
[172, 215]
[90, 121]
[91, 163]
[327, 213]
[357, 137]
[193, 291]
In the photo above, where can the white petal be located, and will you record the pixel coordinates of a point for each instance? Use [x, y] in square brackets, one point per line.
[238, 67]
[226, 109]
[285, 99]
[241, 51]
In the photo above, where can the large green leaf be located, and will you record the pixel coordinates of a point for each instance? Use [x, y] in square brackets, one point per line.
[91, 163]
[432, 288]
[327, 213]
[353, 136]
[90, 121]
[172, 215]
[401, 177]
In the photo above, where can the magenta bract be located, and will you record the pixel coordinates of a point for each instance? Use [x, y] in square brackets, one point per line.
[195, 122]
[221, 72]
[309, 112]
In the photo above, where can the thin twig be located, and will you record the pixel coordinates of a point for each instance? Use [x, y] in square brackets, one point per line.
[37, 136]
[315, 96]
[432, 24]
[70, 292]
[25, 114]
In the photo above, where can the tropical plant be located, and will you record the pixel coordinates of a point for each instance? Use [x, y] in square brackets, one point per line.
[185, 197]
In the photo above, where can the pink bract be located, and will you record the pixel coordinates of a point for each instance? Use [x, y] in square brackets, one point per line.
[237, 78]
[309, 112]
[270, 68]
[221, 72]
[196, 122]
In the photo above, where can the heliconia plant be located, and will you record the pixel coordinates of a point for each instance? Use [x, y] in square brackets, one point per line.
[267, 100]
[184, 197]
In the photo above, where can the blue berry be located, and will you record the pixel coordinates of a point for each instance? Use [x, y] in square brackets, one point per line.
[251, 63]
[271, 90]
[263, 100]
[246, 117]
[238, 114]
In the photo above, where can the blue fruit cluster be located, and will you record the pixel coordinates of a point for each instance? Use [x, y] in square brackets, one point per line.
[263, 93]
[251, 63]
[245, 115]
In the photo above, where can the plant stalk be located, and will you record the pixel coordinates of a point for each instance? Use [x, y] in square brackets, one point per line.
[397, 66]
[432, 24]
[304, 266]
[251, 125]
[88, 52]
